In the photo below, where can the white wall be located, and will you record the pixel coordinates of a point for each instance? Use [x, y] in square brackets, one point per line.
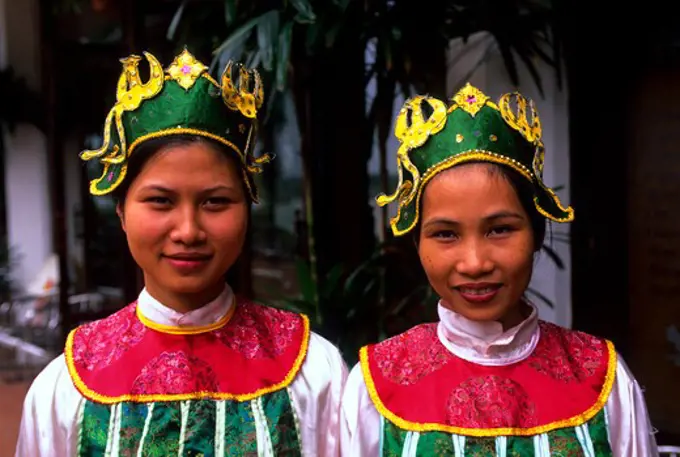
[28, 207]
[491, 77]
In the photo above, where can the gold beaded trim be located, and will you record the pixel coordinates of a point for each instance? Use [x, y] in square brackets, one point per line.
[197, 132]
[467, 156]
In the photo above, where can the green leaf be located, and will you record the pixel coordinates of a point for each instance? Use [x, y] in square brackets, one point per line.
[332, 33]
[541, 297]
[240, 34]
[508, 60]
[305, 13]
[172, 28]
[306, 281]
[527, 59]
[229, 11]
[254, 59]
[342, 4]
[418, 291]
[298, 306]
[554, 256]
[283, 57]
[332, 280]
[267, 33]
[312, 37]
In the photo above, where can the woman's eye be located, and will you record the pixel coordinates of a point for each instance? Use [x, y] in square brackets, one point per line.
[158, 200]
[444, 234]
[501, 230]
[217, 202]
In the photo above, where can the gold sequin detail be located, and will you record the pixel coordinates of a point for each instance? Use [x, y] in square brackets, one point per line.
[493, 138]
[459, 138]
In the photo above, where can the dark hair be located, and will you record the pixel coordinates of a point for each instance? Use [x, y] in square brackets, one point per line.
[149, 148]
[525, 194]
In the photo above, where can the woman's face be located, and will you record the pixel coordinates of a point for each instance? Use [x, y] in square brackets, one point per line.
[185, 217]
[476, 243]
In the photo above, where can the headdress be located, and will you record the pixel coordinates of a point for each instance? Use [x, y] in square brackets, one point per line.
[182, 99]
[435, 137]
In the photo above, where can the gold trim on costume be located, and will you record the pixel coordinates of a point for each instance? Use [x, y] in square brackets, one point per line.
[197, 132]
[573, 421]
[195, 330]
[105, 399]
[468, 156]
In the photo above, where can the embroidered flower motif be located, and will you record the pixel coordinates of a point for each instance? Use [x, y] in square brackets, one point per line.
[259, 332]
[175, 373]
[567, 355]
[408, 363]
[101, 343]
[490, 402]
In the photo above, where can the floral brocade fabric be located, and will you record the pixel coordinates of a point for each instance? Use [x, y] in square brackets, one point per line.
[590, 439]
[259, 350]
[564, 383]
[207, 428]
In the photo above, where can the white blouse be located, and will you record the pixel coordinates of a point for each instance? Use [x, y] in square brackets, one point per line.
[49, 422]
[485, 343]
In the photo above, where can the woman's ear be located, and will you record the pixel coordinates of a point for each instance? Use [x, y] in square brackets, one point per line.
[121, 215]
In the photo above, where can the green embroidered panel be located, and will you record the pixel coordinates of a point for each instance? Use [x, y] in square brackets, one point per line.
[597, 429]
[94, 429]
[282, 427]
[240, 435]
[131, 427]
[162, 438]
[436, 443]
[561, 443]
[159, 429]
[200, 432]
[564, 442]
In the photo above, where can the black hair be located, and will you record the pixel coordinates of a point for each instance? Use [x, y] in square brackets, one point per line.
[525, 193]
[149, 148]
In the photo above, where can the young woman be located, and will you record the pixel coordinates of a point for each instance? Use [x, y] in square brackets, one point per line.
[188, 369]
[490, 378]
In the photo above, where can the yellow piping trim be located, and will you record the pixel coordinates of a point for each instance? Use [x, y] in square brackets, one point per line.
[195, 330]
[94, 190]
[573, 421]
[179, 131]
[468, 156]
[569, 210]
[105, 399]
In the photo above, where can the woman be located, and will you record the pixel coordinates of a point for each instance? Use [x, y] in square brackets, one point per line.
[490, 379]
[189, 369]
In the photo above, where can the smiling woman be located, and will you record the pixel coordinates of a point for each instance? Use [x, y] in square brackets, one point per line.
[185, 215]
[189, 368]
[490, 378]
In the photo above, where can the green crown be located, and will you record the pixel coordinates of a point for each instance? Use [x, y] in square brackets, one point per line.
[182, 99]
[435, 137]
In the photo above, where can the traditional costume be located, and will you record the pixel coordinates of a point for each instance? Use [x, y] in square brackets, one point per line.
[466, 388]
[232, 378]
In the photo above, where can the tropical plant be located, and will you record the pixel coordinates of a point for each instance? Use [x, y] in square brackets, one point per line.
[354, 309]
[323, 46]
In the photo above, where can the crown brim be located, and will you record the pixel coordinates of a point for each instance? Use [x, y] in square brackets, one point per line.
[547, 203]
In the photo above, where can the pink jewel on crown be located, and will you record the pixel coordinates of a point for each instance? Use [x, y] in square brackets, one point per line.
[470, 99]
